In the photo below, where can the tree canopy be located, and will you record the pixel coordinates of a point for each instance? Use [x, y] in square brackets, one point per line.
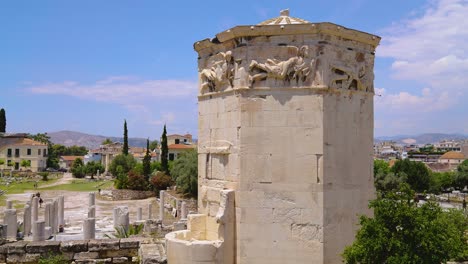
[164, 152]
[185, 172]
[125, 139]
[2, 121]
[402, 232]
[107, 141]
[418, 176]
[147, 162]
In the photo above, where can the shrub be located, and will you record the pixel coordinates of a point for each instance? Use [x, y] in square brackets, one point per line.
[160, 181]
[136, 181]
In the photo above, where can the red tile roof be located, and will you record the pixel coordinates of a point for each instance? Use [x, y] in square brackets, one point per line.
[71, 158]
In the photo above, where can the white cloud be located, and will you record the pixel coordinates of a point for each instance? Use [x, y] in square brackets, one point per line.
[124, 90]
[428, 101]
[154, 102]
[430, 49]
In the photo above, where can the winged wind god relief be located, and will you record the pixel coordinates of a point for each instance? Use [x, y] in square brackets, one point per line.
[298, 69]
[220, 75]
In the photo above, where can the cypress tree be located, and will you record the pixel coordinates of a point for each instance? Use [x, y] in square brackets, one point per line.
[164, 152]
[125, 139]
[2, 121]
[147, 162]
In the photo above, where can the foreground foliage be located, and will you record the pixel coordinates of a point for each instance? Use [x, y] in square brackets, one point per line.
[402, 232]
[185, 172]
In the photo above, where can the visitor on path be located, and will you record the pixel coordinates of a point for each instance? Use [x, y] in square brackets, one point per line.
[40, 199]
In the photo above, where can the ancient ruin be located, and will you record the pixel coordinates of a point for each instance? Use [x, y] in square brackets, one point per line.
[285, 144]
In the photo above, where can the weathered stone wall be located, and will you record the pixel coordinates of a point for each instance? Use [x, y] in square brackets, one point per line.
[117, 195]
[125, 250]
[174, 201]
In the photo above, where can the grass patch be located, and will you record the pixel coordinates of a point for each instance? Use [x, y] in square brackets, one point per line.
[81, 185]
[21, 187]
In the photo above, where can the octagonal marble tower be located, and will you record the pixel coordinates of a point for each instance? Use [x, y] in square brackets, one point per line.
[285, 144]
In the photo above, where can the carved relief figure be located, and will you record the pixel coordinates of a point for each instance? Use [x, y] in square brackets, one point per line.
[220, 74]
[345, 78]
[295, 68]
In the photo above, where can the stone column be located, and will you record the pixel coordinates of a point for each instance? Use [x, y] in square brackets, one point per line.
[161, 205]
[47, 214]
[54, 216]
[27, 220]
[183, 211]
[139, 213]
[150, 211]
[34, 213]
[121, 217]
[92, 212]
[92, 199]
[61, 212]
[11, 221]
[89, 228]
[39, 234]
[9, 204]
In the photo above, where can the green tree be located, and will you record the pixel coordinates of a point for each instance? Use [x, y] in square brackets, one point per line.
[91, 168]
[381, 166]
[125, 162]
[147, 163]
[2, 161]
[25, 163]
[461, 178]
[78, 169]
[125, 139]
[153, 145]
[402, 232]
[164, 152]
[2, 121]
[387, 182]
[185, 172]
[418, 175]
[107, 141]
[442, 181]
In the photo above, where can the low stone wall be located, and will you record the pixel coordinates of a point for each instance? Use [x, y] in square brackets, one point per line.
[173, 201]
[117, 195]
[125, 250]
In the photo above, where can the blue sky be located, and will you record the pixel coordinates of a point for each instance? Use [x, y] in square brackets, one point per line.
[88, 65]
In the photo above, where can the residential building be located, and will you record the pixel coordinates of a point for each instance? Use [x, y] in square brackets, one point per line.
[178, 144]
[448, 145]
[179, 139]
[452, 158]
[15, 148]
[93, 155]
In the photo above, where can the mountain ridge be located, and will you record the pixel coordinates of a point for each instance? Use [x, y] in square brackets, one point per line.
[70, 138]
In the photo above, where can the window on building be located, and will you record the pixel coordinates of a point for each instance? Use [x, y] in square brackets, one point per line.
[17, 152]
[9, 153]
[185, 140]
[29, 152]
[45, 153]
[177, 141]
[39, 152]
[171, 156]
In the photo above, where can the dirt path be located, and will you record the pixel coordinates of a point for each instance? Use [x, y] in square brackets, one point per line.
[66, 178]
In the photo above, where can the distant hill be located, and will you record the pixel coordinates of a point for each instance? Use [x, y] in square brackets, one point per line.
[70, 138]
[427, 138]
